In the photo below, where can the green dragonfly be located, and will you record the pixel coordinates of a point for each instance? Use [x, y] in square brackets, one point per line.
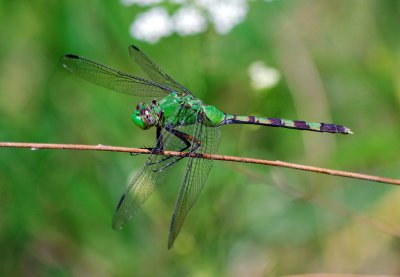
[183, 123]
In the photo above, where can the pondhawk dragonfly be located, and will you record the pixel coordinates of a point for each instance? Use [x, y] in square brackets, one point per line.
[183, 123]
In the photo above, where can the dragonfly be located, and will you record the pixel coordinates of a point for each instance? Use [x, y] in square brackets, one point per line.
[183, 123]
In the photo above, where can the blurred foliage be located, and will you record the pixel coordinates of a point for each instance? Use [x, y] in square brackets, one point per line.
[340, 62]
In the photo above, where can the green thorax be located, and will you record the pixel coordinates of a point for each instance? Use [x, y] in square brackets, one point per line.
[183, 109]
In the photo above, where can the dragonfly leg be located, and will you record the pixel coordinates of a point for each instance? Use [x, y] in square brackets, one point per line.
[183, 137]
[159, 145]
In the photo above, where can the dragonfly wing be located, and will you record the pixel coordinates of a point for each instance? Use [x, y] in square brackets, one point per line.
[196, 174]
[139, 189]
[154, 71]
[147, 179]
[113, 79]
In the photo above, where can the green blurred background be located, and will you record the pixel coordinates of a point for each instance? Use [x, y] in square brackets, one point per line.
[339, 62]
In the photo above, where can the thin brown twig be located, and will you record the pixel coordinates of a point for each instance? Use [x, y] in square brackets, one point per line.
[99, 147]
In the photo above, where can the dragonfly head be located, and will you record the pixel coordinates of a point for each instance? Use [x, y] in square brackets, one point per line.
[145, 116]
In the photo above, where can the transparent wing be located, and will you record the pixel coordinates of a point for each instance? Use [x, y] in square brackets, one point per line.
[113, 79]
[196, 174]
[147, 178]
[154, 71]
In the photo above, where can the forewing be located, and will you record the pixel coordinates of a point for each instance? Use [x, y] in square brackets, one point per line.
[146, 180]
[196, 174]
[113, 79]
[154, 71]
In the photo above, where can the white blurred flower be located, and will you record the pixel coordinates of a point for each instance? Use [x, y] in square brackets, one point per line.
[140, 2]
[189, 21]
[152, 25]
[263, 76]
[155, 23]
[225, 14]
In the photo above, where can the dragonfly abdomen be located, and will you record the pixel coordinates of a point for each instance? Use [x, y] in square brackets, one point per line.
[286, 123]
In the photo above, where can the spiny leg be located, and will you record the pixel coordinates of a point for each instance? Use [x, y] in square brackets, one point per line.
[159, 144]
[185, 138]
[180, 135]
[194, 149]
[176, 133]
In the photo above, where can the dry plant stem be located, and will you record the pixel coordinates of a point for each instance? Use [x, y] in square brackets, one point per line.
[99, 147]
